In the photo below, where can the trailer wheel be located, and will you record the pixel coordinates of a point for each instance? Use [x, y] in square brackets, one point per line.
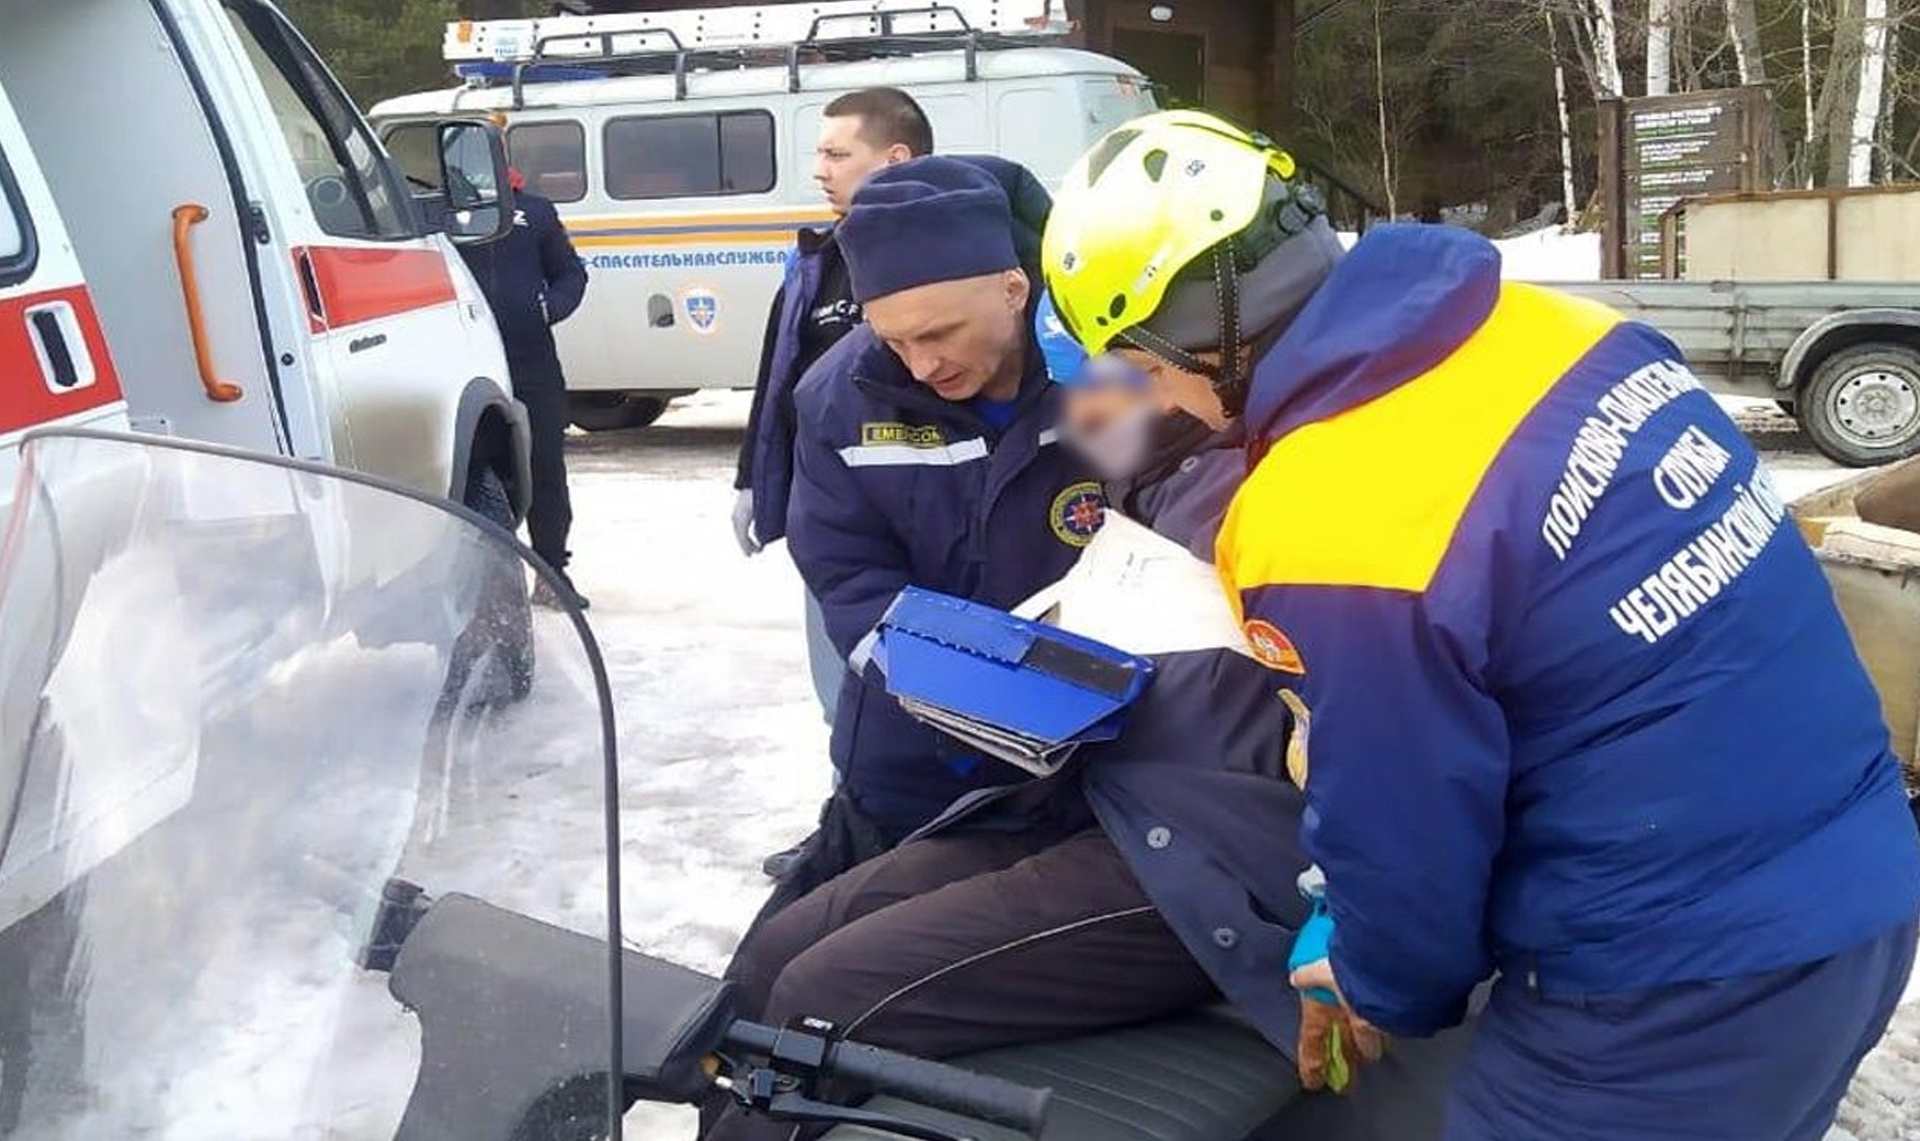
[1862, 406]
[613, 411]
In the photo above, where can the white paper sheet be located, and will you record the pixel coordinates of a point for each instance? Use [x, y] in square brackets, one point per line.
[1140, 592]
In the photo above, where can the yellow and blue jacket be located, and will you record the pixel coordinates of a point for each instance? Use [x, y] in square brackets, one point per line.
[1578, 703]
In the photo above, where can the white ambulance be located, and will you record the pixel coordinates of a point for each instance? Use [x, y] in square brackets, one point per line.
[200, 237]
[679, 148]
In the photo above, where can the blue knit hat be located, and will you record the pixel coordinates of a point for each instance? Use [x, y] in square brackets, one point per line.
[928, 220]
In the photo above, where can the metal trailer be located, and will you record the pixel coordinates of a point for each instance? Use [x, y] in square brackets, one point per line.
[1875, 572]
[1807, 297]
[1842, 356]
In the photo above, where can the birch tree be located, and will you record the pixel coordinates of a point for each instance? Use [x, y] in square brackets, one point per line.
[1568, 196]
[1809, 131]
[1660, 46]
[1743, 28]
[1387, 179]
[1869, 92]
[1605, 33]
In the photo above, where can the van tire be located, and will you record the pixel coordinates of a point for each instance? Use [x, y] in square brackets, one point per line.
[504, 615]
[1862, 405]
[613, 411]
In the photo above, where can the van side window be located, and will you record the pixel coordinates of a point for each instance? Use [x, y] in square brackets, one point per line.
[553, 157]
[677, 156]
[349, 184]
[16, 231]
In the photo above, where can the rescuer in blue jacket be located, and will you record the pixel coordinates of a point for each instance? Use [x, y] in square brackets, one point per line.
[1581, 709]
[925, 455]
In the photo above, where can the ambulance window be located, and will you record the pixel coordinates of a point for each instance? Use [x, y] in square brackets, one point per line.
[350, 186]
[680, 156]
[552, 157]
[16, 236]
[415, 147]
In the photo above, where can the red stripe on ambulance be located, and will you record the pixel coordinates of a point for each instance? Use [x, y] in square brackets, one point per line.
[28, 397]
[357, 284]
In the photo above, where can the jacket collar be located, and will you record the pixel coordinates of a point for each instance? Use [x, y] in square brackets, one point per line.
[1401, 302]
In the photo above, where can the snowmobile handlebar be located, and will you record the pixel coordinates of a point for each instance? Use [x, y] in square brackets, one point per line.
[464, 968]
[934, 1085]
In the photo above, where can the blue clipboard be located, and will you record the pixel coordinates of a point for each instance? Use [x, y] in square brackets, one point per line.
[1020, 690]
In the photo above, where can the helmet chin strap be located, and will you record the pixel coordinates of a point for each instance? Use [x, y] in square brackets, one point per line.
[1231, 381]
[1230, 377]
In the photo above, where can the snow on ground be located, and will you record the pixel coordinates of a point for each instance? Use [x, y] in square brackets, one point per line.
[724, 752]
[1552, 254]
[723, 747]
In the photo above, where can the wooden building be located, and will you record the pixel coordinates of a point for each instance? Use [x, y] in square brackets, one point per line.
[1230, 56]
[1234, 57]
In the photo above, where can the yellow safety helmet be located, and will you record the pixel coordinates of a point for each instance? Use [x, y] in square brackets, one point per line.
[1153, 198]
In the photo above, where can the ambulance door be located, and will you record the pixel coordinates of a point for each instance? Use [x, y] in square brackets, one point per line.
[54, 364]
[394, 330]
[54, 371]
[139, 162]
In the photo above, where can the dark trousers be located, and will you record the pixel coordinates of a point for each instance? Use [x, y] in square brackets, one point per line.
[539, 386]
[960, 943]
[1755, 1058]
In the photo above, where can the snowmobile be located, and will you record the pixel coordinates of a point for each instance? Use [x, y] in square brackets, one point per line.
[292, 846]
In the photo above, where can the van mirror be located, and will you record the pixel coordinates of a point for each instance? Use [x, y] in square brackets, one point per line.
[476, 197]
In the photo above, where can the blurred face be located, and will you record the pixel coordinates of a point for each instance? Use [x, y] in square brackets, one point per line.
[1091, 409]
[844, 159]
[1111, 419]
[960, 338]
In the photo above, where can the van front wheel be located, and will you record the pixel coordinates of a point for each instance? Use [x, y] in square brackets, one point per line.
[613, 411]
[1862, 406]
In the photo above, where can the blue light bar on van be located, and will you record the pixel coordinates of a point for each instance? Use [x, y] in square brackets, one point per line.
[490, 72]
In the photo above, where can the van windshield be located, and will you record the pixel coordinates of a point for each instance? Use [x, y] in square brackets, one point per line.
[349, 186]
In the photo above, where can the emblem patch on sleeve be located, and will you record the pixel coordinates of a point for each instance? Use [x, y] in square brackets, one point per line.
[1273, 648]
[1078, 512]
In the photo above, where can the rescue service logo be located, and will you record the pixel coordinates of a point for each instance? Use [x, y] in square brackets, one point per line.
[702, 307]
[880, 434]
[1077, 513]
[1272, 648]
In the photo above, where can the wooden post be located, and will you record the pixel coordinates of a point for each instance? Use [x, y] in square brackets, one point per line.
[1617, 230]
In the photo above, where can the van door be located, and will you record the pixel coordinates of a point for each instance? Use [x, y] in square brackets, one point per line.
[392, 327]
[120, 118]
[54, 364]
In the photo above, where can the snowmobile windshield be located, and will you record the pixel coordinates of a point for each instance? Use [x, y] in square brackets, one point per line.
[244, 702]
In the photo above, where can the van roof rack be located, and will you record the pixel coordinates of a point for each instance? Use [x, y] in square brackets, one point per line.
[561, 48]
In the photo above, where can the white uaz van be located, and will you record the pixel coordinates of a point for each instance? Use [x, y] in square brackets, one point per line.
[679, 148]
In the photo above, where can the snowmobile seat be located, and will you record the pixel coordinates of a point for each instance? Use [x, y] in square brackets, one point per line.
[1206, 1076]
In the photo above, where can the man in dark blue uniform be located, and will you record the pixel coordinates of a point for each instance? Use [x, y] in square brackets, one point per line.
[533, 280]
[860, 132]
[925, 455]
